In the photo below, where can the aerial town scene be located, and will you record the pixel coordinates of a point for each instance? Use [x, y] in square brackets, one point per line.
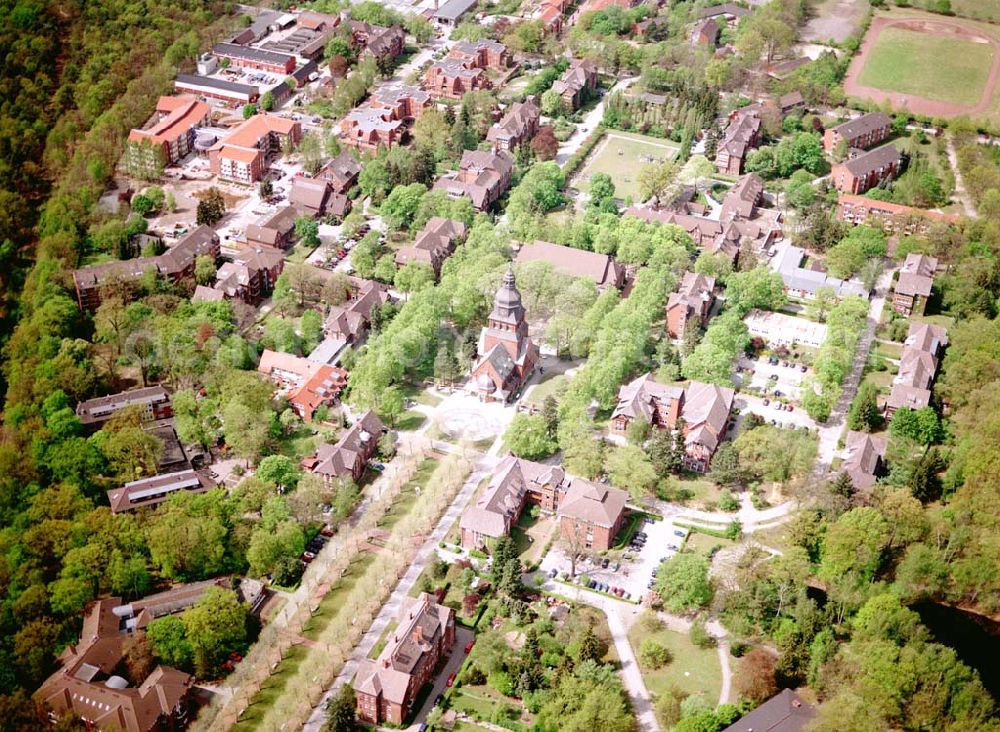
[484, 365]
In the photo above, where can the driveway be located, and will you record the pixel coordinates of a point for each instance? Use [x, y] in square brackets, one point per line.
[747, 403]
[462, 638]
[768, 377]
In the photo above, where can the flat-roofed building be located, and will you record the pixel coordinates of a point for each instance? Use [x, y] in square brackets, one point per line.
[229, 93]
[154, 401]
[255, 58]
[150, 492]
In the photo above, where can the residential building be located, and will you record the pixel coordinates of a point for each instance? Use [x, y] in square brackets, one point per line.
[176, 264]
[550, 14]
[171, 136]
[691, 303]
[311, 20]
[349, 457]
[893, 218]
[867, 170]
[387, 687]
[451, 12]
[506, 354]
[452, 78]
[806, 282]
[784, 712]
[313, 197]
[153, 400]
[864, 457]
[434, 244]
[377, 41]
[150, 492]
[702, 409]
[576, 83]
[482, 177]
[922, 351]
[742, 135]
[591, 511]
[342, 172]
[243, 155]
[706, 33]
[385, 117]
[249, 57]
[351, 320]
[601, 268]
[274, 230]
[590, 514]
[779, 329]
[482, 54]
[323, 388]
[743, 198]
[251, 275]
[914, 284]
[861, 133]
[730, 12]
[515, 128]
[87, 684]
[229, 93]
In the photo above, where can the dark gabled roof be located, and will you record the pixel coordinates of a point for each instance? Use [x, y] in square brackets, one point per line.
[727, 9]
[784, 712]
[873, 160]
[863, 125]
[454, 9]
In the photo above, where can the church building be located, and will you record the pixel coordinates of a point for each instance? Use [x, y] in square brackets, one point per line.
[507, 356]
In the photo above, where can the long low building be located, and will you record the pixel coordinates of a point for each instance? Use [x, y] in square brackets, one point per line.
[804, 282]
[601, 268]
[149, 492]
[153, 400]
[781, 329]
[230, 93]
[893, 217]
[255, 58]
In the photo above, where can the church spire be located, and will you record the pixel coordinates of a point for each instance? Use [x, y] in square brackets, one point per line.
[507, 305]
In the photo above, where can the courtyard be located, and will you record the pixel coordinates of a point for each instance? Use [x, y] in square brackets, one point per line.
[621, 155]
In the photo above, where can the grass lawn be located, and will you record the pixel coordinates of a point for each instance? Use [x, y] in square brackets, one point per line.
[407, 495]
[978, 9]
[693, 670]
[410, 420]
[481, 700]
[776, 537]
[273, 687]
[550, 385]
[705, 491]
[421, 395]
[945, 321]
[889, 349]
[703, 543]
[377, 648]
[934, 67]
[332, 601]
[621, 155]
[531, 535]
[299, 253]
[881, 379]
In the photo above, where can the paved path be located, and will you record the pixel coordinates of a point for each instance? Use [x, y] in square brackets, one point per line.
[590, 121]
[748, 516]
[727, 675]
[391, 607]
[960, 193]
[631, 676]
[829, 434]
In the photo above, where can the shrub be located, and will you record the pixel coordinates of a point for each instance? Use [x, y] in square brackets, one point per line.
[737, 649]
[699, 635]
[653, 654]
[501, 681]
[728, 502]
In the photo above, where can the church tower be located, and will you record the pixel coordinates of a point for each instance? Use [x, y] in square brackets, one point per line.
[507, 355]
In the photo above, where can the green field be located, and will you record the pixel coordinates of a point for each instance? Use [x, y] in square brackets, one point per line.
[924, 65]
[621, 155]
[693, 670]
[978, 9]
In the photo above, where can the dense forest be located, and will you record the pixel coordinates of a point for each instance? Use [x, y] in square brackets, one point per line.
[75, 77]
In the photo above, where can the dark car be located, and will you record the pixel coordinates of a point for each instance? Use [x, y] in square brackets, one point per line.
[553, 572]
[605, 562]
[438, 699]
[766, 402]
[803, 368]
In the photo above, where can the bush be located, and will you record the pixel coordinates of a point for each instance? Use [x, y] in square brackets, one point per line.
[653, 654]
[737, 649]
[699, 635]
[728, 502]
[473, 675]
[501, 681]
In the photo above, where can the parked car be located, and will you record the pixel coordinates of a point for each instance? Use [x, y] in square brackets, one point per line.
[790, 408]
[605, 562]
[767, 402]
[680, 532]
[451, 680]
[553, 572]
[803, 368]
[615, 566]
[469, 645]
[773, 377]
[378, 467]
[438, 699]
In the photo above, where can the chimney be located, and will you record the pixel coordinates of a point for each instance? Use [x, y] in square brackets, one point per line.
[385, 663]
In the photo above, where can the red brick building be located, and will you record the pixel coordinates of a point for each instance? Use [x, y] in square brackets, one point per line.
[386, 688]
[481, 176]
[249, 57]
[692, 301]
[349, 457]
[243, 156]
[507, 355]
[867, 170]
[863, 132]
[893, 218]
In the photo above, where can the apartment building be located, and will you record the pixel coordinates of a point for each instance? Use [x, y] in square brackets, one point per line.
[516, 127]
[691, 303]
[171, 136]
[243, 156]
[151, 492]
[153, 400]
[867, 170]
[579, 80]
[893, 218]
[248, 57]
[349, 457]
[434, 244]
[861, 133]
[601, 268]
[482, 177]
[914, 284]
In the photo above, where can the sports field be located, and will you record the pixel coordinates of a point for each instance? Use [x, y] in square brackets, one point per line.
[978, 9]
[935, 67]
[621, 155]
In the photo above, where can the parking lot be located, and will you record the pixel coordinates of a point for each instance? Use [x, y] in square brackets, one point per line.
[635, 568]
[770, 379]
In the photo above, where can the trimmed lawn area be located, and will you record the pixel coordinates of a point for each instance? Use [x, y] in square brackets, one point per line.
[332, 601]
[531, 535]
[943, 320]
[703, 543]
[776, 538]
[550, 385]
[693, 670]
[410, 420]
[299, 253]
[881, 379]
[407, 495]
[705, 491]
[931, 66]
[621, 155]
[273, 687]
[978, 9]
[482, 700]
